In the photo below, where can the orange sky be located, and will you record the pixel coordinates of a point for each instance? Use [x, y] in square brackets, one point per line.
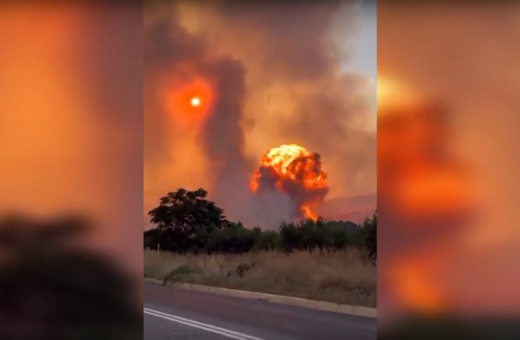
[286, 98]
[62, 145]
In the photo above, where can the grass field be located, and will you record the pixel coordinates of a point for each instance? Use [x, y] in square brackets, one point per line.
[342, 277]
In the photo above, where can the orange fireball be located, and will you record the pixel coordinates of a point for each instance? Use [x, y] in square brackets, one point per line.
[295, 171]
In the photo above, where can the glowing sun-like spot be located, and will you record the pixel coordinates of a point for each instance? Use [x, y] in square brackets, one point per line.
[195, 101]
[188, 102]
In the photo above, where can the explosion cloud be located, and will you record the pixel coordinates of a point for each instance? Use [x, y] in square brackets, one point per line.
[297, 173]
[263, 74]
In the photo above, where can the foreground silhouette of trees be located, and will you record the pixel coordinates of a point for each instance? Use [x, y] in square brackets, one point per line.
[50, 288]
[187, 222]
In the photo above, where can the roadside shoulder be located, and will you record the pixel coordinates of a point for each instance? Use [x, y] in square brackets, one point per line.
[286, 300]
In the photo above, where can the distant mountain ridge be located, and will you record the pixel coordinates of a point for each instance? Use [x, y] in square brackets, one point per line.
[355, 208]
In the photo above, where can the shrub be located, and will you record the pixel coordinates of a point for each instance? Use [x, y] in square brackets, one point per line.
[188, 223]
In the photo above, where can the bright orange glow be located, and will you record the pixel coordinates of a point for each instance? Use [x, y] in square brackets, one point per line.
[395, 97]
[308, 213]
[190, 102]
[423, 187]
[414, 284]
[195, 101]
[294, 164]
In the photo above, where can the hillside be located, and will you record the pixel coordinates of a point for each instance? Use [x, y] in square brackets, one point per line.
[355, 209]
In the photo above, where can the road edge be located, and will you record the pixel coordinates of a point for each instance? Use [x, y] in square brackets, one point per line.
[281, 299]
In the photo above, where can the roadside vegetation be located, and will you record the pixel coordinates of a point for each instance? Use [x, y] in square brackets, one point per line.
[193, 242]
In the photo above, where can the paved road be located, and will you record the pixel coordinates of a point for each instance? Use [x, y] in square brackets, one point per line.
[175, 313]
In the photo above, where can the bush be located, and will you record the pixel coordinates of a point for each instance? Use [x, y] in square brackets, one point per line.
[188, 223]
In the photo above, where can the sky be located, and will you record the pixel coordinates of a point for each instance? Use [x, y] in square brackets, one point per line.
[271, 77]
[364, 46]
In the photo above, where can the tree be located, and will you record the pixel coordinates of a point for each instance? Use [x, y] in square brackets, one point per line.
[189, 223]
[152, 238]
[186, 219]
[369, 236]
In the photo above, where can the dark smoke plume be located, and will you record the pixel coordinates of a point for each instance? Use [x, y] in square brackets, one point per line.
[274, 74]
[169, 48]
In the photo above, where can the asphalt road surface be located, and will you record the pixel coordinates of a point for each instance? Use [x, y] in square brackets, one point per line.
[175, 313]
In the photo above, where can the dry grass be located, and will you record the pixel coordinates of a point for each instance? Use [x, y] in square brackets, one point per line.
[342, 277]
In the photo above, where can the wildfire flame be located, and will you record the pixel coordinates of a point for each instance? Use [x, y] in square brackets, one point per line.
[295, 171]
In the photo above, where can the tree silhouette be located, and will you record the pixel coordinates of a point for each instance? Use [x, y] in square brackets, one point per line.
[189, 223]
[369, 236]
[185, 217]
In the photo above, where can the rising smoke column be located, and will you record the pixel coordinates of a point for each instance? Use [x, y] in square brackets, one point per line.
[176, 61]
[273, 74]
[293, 53]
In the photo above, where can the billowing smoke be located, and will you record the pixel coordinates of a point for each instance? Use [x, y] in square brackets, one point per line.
[176, 58]
[269, 75]
[294, 171]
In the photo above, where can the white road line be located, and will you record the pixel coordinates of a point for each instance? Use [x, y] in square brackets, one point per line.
[204, 326]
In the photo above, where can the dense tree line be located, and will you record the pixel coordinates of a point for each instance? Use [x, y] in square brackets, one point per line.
[187, 222]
